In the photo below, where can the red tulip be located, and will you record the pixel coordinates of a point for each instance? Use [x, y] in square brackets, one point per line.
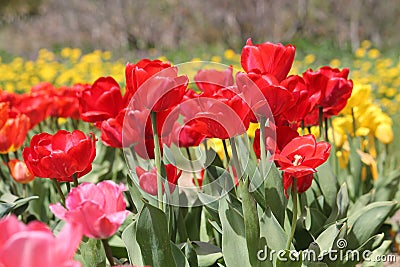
[187, 135]
[66, 101]
[211, 81]
[299, 158]
[268, 58]
[264, 94]
[103, 100]
[137, 130]
[275, 141]
[14, 130]
[61, 155]
[11, 98]
[100, 209]
[329, 89]
[302, 104]
[163, 91]
[137, 74]
[34, 244]
[222, 116]
[36, 107]
[4, 107]
[111, 130]
[19, 171]
[148, 179]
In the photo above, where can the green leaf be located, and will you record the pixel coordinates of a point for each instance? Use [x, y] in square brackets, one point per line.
[251, 224]
[272, 231]
[93, 253]
[131, 244]
[190, 254]
[42, 189]
[117, 247]
[327, 238]
[136, 196]
[152, 237]
[178, 256]
[274, 194]
[18, 206]
[361, 202]
[289, 259]
[314, 220]
[234, 245]
[367, 222]
[355, 168]
[314, 264]
[207, 254]
[5, 208]
[387, 187]
[355, 256]
[342, 202]
[328, 183]
[192, 222]
[384, 248]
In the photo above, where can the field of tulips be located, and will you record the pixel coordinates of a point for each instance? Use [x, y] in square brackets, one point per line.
[250, 159]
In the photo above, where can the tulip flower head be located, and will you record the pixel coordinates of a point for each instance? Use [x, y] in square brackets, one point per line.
[19, 171]
[14, 127]
[268, 58]
[60, 155]
[100, 209]
[34, 245]
[103, 100]
[148, 179]
[299, 160]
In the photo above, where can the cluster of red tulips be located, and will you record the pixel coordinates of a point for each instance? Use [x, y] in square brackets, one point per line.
[159, 107]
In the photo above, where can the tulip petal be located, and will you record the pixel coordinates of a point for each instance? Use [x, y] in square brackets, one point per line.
[68, 240]
[303, 146]
[115, 198]
[58, 210]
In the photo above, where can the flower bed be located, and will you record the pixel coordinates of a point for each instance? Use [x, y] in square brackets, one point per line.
[195, 164]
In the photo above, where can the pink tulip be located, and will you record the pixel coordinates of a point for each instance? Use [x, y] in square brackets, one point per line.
[34, 244]
[100, 209]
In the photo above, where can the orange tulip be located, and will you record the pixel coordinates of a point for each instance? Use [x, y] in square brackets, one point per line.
[19, 171]
[13, 131]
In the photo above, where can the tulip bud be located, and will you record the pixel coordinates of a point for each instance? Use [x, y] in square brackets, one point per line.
[19, 172]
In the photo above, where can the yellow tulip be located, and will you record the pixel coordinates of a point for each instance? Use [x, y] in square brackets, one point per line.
[252, 129]
[384, 133]
[360, 97]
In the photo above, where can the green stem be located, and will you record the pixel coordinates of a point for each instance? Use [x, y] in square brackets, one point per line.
[3, 176]
[320, 120]
[353, 122]
[75, 179]
[108, 251]
[226, 151]
[157, 158]
[7, 159]
[228, 159]
[263, 154]
[326, 130]
[294, 211]
[196, 181]
[59, 191]
[235, 158]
